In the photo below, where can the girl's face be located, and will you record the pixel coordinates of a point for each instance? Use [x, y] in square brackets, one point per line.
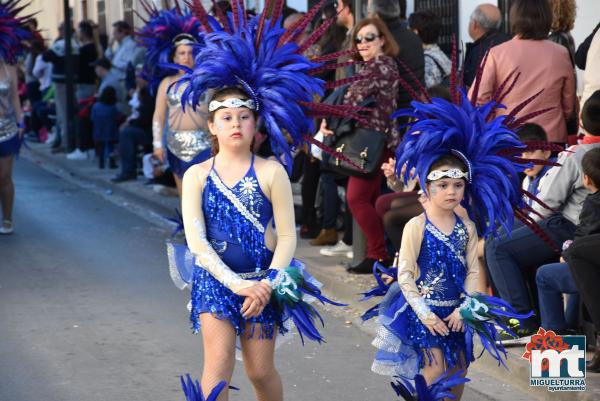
[234, 127]
[446, 193]
[369, 42]
[184, 55]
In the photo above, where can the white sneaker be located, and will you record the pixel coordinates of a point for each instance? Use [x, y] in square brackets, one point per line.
[6, 228]
[338, 249]
[77, 155]
[350, 255]
[51, 137]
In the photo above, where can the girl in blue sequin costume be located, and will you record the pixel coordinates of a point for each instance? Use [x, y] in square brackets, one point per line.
[171, 38]
[230, 203]
[421, 327]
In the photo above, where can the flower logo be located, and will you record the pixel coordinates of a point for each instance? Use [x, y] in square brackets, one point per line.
[544, 340]
[248, 185]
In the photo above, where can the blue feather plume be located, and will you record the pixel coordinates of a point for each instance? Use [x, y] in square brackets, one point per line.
[441, 127]
[482, 315]
[157, 37]
[380, 290]
[13, 32]
[438, 390]
[193, 391]
[254, 55]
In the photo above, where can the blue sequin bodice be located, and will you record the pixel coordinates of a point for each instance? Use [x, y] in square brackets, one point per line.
[236, 232]
[442, 263]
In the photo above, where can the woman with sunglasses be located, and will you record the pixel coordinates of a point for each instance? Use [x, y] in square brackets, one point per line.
[376, 46]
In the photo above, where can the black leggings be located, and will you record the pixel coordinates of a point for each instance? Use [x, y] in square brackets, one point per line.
[402, 209]
[583, 257]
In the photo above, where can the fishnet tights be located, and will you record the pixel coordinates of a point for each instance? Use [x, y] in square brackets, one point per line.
[438, 366]
[219, 359]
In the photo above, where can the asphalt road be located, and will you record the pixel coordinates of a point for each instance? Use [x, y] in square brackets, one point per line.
[88, 311]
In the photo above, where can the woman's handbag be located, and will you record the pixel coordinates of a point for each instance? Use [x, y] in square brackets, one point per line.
[365, 147]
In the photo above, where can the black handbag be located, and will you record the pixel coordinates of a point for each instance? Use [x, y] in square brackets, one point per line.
[365, 147]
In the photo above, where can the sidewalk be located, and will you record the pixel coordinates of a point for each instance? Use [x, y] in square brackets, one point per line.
[337, 283]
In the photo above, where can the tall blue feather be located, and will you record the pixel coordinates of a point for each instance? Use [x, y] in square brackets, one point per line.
[157, 36]
[277, 74]
[440, 127]
[13, 32]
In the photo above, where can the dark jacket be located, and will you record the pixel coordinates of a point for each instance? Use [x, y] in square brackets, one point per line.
[57, 56]
[582, 50]
[589, 219]
[87, 55]
[104, 119]
[411, 54]
[145, 111]
[476, 50]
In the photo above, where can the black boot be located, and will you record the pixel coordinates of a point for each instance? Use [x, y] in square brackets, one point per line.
[594, 364]
[366, 266]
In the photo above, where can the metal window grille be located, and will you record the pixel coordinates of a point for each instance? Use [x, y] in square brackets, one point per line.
[101, 8]
[447, 10]
[504, 6]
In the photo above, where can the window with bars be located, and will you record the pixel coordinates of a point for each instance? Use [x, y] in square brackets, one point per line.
[504, 6]
[101, 8]
[128, 12]
[447, 10]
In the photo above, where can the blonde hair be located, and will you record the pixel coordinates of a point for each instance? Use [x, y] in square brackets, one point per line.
[563, 15]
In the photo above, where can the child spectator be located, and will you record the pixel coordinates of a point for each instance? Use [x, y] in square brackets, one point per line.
[582, 256]
[555, 279]
[104, 120]
[532, 132]
[563, 191]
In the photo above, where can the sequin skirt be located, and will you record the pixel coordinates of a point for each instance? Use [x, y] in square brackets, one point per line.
[186, 148]
[210, 296]
[10, 146]
[403, 342]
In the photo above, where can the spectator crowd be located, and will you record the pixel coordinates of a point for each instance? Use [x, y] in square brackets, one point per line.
[343, 209]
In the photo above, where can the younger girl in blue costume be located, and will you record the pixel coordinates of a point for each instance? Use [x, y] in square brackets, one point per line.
[463, 156]
[421, 325]
[13, 33]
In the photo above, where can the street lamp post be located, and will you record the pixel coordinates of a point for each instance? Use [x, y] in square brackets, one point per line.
[70, 75]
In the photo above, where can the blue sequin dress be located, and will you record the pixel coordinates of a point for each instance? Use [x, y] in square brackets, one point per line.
[403, 340]
[236, 220]
[240, 246]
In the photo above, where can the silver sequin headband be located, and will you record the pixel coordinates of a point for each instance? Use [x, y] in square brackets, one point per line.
[185, 41]
[452, 173]
[232, 102]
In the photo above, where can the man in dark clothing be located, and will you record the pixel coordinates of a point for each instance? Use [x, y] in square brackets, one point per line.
[483, 29]
[136, 131]
[411, 48]
[57, 56]
[582, 50]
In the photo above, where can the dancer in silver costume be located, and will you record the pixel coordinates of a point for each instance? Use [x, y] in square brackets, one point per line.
[187, 139]
[12, 33]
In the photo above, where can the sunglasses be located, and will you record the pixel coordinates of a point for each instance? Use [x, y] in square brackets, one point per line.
[369, 37]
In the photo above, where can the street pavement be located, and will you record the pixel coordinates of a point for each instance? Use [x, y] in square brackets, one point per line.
[88, 312]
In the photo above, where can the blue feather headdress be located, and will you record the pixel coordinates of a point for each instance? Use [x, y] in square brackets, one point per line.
[488, 145]
[157, 36]
[266, 61]
[13, 31]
